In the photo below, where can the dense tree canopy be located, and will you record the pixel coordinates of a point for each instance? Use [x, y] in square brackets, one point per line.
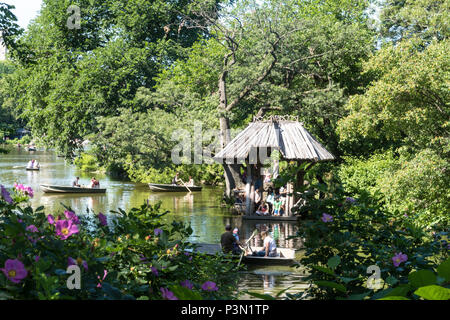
[404, 109]
[427, 19]
[137, 70]
[71, 76]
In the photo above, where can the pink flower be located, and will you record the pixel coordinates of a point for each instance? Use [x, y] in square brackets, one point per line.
[209, 286]
[350, 199]
[19, 187]
[398, 258]
[65, 228]
[105, 273]
[85, 265]
[326, 218]
[103, 219]
[158, 232]
[187, 284]
[29, 192]
[32, 228]
[72, 262]
[51, 219]
[6, 195]
[14, 270]
[72, 216]
[22, 189]
[167, 294]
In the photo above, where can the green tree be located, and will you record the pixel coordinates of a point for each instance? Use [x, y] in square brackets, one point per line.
[427, 19]
[277, 55]
[69, 77]
[405, 108]
[409, 101]
[9, 29]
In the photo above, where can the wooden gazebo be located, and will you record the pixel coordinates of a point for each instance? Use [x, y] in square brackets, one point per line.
[255, 144]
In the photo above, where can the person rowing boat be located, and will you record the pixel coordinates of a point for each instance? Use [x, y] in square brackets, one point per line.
[76, 182]
[33, 164]
[175, 179]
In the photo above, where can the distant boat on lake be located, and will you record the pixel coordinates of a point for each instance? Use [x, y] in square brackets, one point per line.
[65, 189]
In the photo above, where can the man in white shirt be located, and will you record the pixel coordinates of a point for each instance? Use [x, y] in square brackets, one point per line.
[76, 182]
[33, 164]
[270, 248]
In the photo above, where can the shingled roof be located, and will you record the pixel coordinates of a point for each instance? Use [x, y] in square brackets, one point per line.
[277, 132]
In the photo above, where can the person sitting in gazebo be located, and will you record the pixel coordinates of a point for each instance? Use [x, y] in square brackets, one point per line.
[283, 195]
[262, 209]
[270, 198]
[277, 206]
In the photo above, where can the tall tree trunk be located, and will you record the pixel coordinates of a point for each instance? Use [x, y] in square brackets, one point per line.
[231, 171]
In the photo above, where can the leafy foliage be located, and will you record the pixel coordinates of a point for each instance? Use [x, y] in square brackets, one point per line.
[340, 250]
[129, 255]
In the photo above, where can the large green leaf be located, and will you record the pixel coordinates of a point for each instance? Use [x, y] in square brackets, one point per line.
[444, 269]
[260, 296]
[359, 296]
[324, 269]
[400, 291]
[330, 284]
[422, 278]
[433, 292]
[111, 291]
[333, 262]
[183, 293]
[394, 298]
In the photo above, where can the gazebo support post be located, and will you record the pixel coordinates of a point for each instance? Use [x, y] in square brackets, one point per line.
[248, 191]
[289, 198]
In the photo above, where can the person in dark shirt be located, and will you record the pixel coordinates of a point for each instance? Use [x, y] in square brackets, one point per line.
[176, 179]
[227, 241]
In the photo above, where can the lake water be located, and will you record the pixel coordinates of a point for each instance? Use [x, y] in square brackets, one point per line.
[201, 210]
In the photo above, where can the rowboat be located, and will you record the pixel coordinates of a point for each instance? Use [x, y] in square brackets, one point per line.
[64, 189]
[172, 188]
[31, 148]
[285, 257]
[33, 169]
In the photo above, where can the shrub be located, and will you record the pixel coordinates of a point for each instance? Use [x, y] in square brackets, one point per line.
[344, 236]
[413, 183]
[87, 163]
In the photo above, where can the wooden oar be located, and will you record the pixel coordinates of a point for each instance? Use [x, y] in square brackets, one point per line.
[255, 232]
[186, 186]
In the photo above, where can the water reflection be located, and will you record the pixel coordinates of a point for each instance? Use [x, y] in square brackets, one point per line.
[271, 280]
